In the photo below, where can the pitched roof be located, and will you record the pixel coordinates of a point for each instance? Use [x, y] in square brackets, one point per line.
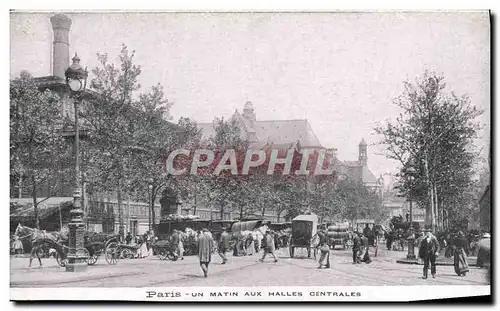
[21, 208]
[368, 177]
[277, 132]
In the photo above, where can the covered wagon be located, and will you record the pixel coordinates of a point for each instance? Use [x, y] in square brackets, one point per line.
[304, 229]
[246, 232]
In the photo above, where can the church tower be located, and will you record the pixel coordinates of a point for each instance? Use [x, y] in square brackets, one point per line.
[363, 156]
[249, 112]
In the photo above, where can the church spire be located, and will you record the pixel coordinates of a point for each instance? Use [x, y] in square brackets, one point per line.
[363, 155]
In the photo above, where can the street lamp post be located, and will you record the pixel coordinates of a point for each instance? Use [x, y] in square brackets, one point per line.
[410, 171]
[76, 79]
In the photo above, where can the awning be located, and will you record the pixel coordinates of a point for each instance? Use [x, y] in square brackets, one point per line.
[246, 226]
[23, 208]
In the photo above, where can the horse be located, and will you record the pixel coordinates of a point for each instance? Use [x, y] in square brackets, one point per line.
[38, 238]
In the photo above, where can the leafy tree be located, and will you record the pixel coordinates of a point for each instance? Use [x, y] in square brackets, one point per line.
[436, 132]
[39, 155]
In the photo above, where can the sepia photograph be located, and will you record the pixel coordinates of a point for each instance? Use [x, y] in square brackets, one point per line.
[250, 156]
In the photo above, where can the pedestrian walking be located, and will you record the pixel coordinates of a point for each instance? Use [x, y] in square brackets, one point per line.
[428, 251]
[460, 255]
[324, 249]
[356, 248]
[18, 246]
[268, 246]
[205, 246]
[224, 245]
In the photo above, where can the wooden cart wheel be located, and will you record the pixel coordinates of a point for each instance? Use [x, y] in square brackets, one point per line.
[172, 256]
[92, 260]
[84, 253]
[162, 254]
[127, 254]
[61, 259]
[112, 253]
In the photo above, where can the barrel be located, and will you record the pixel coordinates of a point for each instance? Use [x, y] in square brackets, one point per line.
[337, 235]
[339, 228]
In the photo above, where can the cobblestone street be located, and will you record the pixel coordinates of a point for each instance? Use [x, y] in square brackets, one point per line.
[240, 271]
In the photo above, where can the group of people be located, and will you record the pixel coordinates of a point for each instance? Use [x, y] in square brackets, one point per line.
[144, 242]
[206, 245]
[429, 249]
[360, 249]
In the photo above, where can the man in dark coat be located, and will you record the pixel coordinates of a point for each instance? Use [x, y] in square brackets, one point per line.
[224, 245]
[175, 242]
[205, 247]
[428, 251]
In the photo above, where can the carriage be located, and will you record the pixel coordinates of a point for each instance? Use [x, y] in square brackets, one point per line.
[304, 229]
[96, 244]
[283, 230]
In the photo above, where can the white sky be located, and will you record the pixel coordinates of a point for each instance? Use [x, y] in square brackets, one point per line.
[338, 70]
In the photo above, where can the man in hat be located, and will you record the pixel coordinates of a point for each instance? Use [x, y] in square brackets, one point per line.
[205, 246]
[224, 245]
[268, 246]
[428, 251]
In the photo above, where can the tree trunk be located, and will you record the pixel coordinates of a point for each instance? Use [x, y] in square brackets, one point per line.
[430, 190]
[436, 207]
[152, 207]
[120, 212]
[35, 203]
[20, 186]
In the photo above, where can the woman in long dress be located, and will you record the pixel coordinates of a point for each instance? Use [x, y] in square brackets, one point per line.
[460, 255]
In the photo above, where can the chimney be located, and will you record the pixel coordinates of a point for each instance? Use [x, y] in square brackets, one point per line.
[60, 57]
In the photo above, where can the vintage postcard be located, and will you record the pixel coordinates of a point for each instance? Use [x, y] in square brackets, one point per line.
[250, 156]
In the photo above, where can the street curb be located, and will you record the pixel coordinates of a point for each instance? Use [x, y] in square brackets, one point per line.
[414, 262]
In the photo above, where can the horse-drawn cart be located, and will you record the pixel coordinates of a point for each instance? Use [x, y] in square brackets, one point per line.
[96, 244]
[304, 228]
[338, 234]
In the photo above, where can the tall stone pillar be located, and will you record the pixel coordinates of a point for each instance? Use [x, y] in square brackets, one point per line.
[60, 53]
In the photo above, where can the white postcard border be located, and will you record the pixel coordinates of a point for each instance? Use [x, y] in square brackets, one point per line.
[273, 293]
